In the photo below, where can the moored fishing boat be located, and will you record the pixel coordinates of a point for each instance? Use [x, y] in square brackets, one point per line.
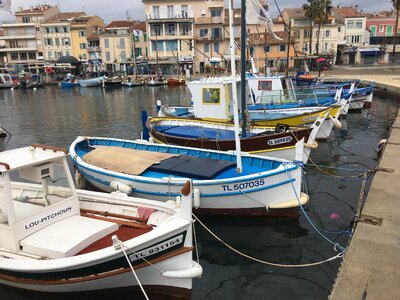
[176, 81]
[155, 81]
[69, 81]
[265, 187]
[112, 82]
[98, 81]
[6, 81]
[59, 239]
[131, 81]
[279, 141]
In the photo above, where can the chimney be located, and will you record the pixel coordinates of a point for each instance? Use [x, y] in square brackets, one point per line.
[356, 6]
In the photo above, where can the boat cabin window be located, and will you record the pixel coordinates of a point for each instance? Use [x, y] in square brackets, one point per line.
[37, 187]
[211, 95]
[264, 85]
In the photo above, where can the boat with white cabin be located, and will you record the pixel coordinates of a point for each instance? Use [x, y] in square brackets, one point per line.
[56, 238]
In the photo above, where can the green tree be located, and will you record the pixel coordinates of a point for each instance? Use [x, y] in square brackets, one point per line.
[311, 11]
[396, 5]
[323, 12]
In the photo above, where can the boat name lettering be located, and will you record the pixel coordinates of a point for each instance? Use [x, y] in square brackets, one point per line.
[243, 186]
[157, 248]
[48, 218]
[278, 141]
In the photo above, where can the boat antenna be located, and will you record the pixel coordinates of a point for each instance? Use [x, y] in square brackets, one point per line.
[234, 89]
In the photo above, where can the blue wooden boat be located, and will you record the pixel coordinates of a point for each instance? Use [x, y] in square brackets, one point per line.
[266, 186]
[69, 82]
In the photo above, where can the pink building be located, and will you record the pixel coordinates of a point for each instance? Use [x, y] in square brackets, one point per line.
[382, 24]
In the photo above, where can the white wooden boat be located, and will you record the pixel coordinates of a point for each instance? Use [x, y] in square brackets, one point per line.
[5, 81]
[98, 81]
[131, 81]
[155, 81]
[55, 238]
[267, 186]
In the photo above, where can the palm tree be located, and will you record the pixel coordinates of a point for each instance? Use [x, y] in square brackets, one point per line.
[396, 5]
[323, 12]
[310, 10]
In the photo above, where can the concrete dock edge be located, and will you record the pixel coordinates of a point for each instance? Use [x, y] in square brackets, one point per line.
[371, 266]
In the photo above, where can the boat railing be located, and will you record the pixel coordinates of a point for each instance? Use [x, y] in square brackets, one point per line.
[286, 98]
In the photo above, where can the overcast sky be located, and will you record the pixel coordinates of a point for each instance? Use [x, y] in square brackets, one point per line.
[110, 10]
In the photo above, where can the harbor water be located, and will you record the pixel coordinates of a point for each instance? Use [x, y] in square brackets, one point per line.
[55, 116]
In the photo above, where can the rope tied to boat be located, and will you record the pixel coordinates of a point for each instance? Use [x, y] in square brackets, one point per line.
[311, 222]
[120, 245]
[339, 255]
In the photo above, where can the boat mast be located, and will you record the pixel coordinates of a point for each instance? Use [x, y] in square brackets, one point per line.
[243, 66]
[234, 89]
[156, 56]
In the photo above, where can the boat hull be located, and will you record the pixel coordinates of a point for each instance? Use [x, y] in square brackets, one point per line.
[263, 141]
[116, 277]
[259, 190]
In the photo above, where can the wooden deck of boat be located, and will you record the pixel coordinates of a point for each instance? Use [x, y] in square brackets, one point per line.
[124, 233]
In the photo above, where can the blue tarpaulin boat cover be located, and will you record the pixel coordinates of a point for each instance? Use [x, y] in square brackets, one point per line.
[192, 167]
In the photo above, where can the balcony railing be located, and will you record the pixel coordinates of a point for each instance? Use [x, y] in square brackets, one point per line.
[93, 48]
[209, 20]
[180, 15]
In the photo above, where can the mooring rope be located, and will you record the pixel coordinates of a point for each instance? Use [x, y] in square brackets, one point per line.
[122, 246]
[339, 255]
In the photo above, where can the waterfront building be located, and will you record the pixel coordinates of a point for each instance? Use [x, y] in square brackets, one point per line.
[382, 26]
[271, 52]
[355, 49]
[23, 37]
[57, 35]
[81, 28]
[94, 53]
[170, 28]
[121, 43]
[306, 43]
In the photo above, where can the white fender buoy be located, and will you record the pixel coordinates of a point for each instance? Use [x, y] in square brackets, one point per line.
[120, 187]
[336, 122]
[195, 271]
[35, 88]
[79, 180]
[196, 198]
[311, 146]
[151, 139]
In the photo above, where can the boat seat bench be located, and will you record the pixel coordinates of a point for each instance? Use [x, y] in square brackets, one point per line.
[67, 237]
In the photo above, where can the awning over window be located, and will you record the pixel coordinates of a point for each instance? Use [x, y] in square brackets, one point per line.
[371, 51]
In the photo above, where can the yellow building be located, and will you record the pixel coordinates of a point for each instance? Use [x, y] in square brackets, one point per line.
[122, 43]
[81, 28]
[57, 35]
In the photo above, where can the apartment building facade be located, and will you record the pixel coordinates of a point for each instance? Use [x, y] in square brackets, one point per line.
[355, 49]
[268, 51]
[81, 28]
[57, 36]
[306, 42]
[123, 43]
[24, 38]
[382, 27]
[170, 28]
